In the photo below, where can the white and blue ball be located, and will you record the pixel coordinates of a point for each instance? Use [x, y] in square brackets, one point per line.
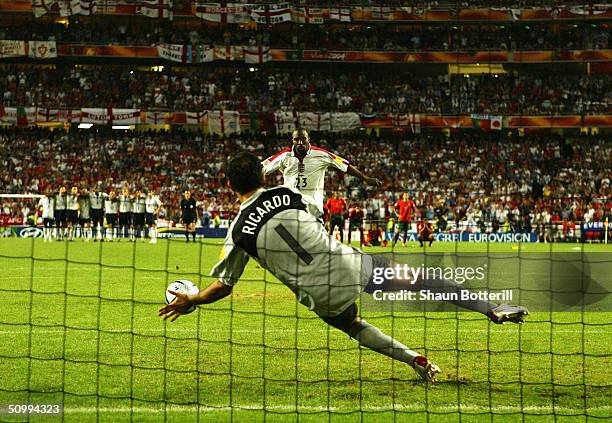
[183, 286]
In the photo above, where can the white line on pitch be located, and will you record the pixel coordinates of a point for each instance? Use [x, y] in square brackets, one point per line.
[312, 409]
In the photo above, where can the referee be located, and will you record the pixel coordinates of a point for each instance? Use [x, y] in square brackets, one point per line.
[189, 215]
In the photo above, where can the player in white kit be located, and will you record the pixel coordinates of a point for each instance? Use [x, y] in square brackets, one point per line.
[303, 167]
[326, 276]
[153, 207]
[46, 204]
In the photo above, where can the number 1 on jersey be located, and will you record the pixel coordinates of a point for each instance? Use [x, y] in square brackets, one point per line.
[293, 243]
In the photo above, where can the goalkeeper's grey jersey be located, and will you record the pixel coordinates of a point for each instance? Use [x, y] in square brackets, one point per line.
[274, 228]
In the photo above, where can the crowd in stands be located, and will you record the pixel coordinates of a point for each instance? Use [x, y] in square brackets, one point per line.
[322, 89]
[387, 37]
[470, 179]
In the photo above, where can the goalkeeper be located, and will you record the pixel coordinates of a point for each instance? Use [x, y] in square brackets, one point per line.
[275, 229]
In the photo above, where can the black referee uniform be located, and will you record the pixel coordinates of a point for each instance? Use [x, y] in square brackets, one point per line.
[189, 215]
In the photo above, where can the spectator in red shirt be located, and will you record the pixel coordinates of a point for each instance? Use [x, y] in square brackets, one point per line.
[404, 209]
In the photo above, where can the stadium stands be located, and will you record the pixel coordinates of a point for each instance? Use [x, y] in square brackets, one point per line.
[466, 179]
[307, 90]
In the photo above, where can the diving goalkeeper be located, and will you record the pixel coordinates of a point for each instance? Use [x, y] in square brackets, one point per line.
[274, 228]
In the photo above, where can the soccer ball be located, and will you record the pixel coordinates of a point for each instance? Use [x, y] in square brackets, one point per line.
[183, 286]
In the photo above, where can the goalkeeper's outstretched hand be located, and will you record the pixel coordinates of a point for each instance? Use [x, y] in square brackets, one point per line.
[177, 307]
[374, 182]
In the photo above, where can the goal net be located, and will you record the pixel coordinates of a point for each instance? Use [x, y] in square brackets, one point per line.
[80, 327]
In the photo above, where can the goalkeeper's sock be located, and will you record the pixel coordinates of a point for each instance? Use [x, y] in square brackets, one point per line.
[371, 337]
[445, 286]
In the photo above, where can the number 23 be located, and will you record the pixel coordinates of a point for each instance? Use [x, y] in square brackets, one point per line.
[301, 182]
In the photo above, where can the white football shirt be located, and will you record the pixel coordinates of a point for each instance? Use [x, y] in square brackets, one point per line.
[306, 175]
[47, 205]
[153, 203]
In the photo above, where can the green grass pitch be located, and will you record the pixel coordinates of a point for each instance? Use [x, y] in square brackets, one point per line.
[79, 325]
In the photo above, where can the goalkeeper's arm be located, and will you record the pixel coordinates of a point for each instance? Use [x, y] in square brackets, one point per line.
[214, 292]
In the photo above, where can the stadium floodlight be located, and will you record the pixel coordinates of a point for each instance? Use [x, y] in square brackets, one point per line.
[121, 126]
[85, 125]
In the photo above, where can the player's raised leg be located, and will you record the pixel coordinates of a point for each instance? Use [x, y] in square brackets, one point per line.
[371, 337]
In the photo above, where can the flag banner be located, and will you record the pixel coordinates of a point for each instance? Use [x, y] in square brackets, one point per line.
[223, 12]
[345, 121]
[153, 118]
[228, 52]
[381, 13]
[415, 122]
[271, 13]
[307, 15]
[224, 122]
[161, 9]
[77, 7]
[197, 54]
[258, 122]
[340, 14]
[315, 121]
[41, 7]
[123, 116]
[42, 49]
[255, 54]
[12, 48]
[21, 116]
[94, 115]
[185, 53]
[47, 115]
[486, 122]
[196, 118]
[285, 122]
[68, 115]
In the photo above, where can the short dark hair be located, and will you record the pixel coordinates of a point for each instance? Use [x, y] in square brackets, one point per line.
[244, 172]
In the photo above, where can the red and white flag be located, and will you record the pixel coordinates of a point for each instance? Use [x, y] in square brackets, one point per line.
[224, 122]
[316, 121]
[154, 118]
[41, 7]
[47, 115]
[67, 115]
[228, 53]
[123, 116]
[271, 13]
[415, 122]
[157, 9]
[399, 119]
[308, 15]
[340, 14]
[196, 118]
[256, 54]
[222, 12]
